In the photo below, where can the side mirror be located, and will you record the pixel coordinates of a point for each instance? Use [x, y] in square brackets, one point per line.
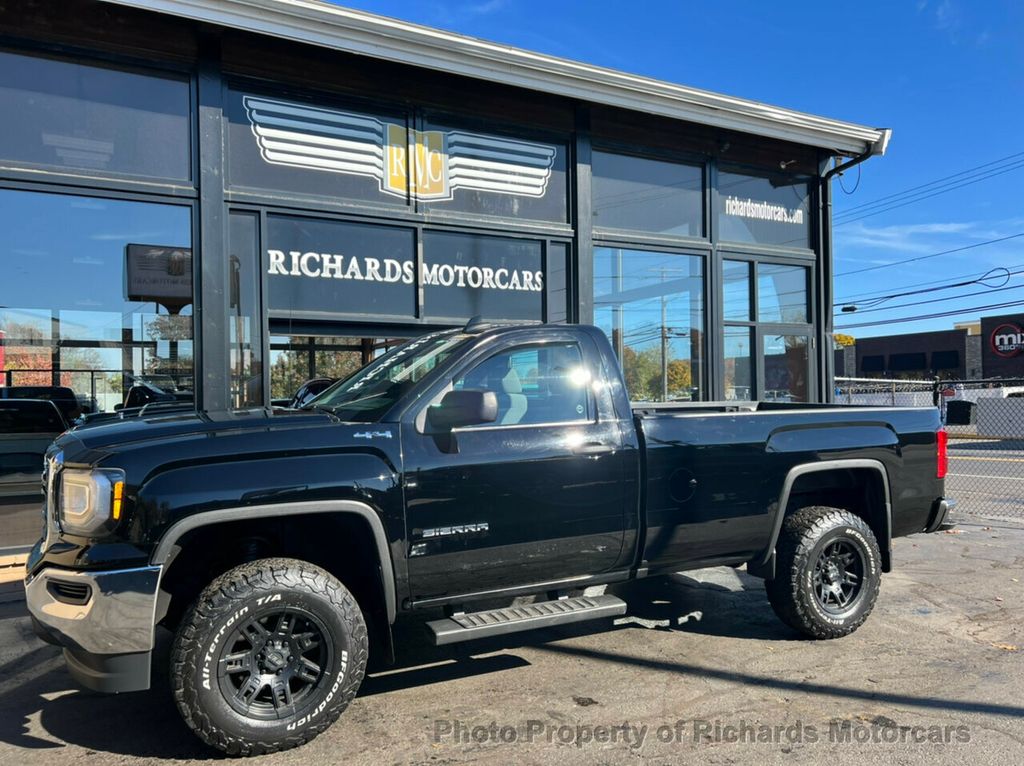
[463, 408]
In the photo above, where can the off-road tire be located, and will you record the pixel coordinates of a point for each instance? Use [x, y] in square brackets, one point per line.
[239, 597]
[806, 536]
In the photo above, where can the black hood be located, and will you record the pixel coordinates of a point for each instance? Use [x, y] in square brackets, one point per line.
[112, 434]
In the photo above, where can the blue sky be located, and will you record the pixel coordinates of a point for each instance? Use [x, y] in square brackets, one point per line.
[946, 75]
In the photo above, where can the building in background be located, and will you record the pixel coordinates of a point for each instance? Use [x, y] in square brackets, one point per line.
[988, 348]
[222, 199]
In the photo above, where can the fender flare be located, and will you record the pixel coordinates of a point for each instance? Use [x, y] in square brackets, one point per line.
[765, 560]
[165, 547]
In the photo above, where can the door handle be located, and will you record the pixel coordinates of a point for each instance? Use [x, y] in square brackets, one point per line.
[591, 448]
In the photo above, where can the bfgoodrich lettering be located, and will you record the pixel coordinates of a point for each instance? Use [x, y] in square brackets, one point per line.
[312, 265]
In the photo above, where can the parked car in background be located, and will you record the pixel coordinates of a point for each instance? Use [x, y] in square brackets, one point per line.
[63, 398]
[309, 390]
[27, 428]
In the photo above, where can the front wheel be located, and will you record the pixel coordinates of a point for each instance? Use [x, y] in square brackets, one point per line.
[268, 657]
[828, 572]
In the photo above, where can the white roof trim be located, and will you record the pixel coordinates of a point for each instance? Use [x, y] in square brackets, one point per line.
[317, 23]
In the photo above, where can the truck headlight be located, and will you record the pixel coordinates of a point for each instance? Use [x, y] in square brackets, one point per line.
[89, 499]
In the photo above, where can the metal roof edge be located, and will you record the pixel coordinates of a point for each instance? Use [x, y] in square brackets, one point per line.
[317, 23]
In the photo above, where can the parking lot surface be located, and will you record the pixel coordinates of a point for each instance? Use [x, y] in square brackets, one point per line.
[699, 671]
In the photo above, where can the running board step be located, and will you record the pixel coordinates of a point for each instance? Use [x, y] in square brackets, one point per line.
[496, 622]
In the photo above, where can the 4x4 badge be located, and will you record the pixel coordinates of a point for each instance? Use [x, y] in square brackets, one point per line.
[373, 435]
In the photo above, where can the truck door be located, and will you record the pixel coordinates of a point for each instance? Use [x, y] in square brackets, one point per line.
[535, 496]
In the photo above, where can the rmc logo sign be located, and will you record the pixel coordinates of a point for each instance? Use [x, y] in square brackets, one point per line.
[1007, 340]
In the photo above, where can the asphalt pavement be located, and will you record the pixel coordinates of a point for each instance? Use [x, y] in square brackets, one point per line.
[699, 671]
[986, 477]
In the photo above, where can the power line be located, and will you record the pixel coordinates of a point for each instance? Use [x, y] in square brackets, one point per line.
[937, 181]
[932, 255]
[997, 273]
[938, 300]
[854, 297]
[926, 196]
[939, 315]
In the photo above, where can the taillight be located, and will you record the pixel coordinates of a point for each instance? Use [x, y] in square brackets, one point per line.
[941, 453]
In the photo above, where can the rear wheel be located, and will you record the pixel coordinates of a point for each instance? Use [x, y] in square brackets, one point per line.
[268, 657]
[828, 572]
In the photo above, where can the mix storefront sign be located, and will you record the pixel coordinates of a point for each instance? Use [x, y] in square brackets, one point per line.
[1007, 340]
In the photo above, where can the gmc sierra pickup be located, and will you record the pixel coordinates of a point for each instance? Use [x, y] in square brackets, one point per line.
[481, 463]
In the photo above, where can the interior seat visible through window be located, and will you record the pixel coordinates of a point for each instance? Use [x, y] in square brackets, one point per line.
[534, 384]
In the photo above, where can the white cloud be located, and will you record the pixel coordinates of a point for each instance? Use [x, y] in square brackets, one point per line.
[907, 238]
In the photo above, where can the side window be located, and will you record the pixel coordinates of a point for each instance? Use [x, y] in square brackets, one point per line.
[535, 384]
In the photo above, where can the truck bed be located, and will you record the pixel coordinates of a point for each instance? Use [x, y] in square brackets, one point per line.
[715, 471]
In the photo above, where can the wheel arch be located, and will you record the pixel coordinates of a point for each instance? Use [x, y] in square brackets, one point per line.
[167, 548]
[797, 484]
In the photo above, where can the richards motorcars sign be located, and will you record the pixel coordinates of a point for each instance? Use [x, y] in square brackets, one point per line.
[329, 268]
[427, 164]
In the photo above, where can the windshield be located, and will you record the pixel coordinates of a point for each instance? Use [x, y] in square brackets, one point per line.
[368, 394]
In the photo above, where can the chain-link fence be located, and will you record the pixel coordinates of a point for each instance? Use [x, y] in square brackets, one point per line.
[985, 421]
[885, 393]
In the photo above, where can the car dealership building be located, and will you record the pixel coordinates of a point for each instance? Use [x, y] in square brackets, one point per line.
[228, 197]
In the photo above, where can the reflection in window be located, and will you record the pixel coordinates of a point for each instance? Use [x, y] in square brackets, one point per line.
[556, 283]
[781, 293]
[736, 290]
[93, 118]
[647, 195]
[786, 368]
[764, 210]
[651, 305]
[95, 314]
[120, 315]
[245, 345]
[294, 360]
[739, 364]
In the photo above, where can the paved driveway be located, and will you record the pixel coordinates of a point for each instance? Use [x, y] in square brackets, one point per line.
[701, 671]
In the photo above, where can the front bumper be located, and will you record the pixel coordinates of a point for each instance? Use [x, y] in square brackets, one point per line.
[104, 620]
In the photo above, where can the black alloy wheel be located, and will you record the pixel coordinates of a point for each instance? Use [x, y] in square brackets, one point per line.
[274, 663]
[838, 575]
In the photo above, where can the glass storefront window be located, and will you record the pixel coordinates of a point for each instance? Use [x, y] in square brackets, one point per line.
[95, 315]
[739, 364]
[781, 293]
[647, 195]
[296, 359]
[772, 209]
[786, 367]
[651, 306]
[736, 280]
[245, 323]
[780, 369]
[84, 117]
[556, 282]
[102, 302]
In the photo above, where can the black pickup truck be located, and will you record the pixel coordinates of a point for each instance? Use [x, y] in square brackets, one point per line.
[489, 462]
